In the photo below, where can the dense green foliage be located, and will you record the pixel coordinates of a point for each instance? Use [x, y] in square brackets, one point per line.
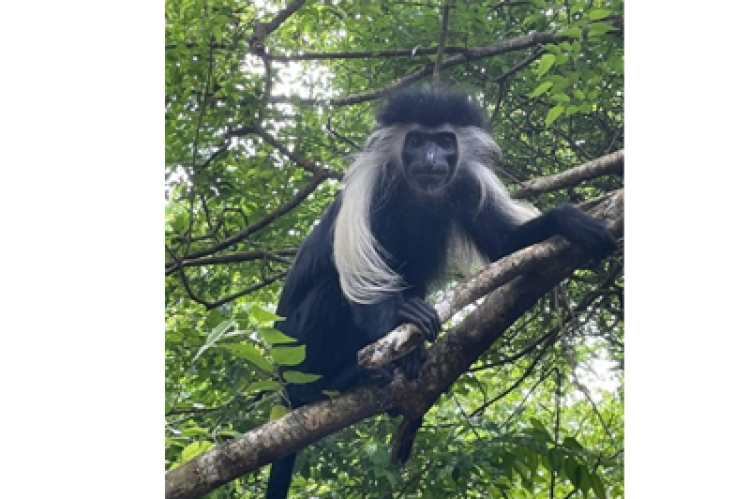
[260, 124]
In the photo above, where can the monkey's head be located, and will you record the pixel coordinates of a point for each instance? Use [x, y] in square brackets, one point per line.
[432, 123]
[437, 144]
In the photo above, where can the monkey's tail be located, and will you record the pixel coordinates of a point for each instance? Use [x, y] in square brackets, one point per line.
[403, 441]
[281, 477]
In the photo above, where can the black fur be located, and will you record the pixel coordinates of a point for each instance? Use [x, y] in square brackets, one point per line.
[432, 108]
[414, 229]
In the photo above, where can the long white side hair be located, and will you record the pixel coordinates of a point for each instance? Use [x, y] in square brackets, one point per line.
[364, 274]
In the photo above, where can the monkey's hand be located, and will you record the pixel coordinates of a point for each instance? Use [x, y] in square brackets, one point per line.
[423, 315]
[584, 230]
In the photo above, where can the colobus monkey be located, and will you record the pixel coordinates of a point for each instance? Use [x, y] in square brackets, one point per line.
[422, 186]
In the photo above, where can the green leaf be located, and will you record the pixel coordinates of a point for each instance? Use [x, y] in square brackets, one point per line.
[572, 444]
[300, 378]
[553, 114]
[251, 353]
[229, 433]
[214, 336]
[598, 29]
[180, 223]
[194, 449]
[391, 477]
[532, 461]
[617, 62]
[585, 483]
[277, 412]
[219, 331]
[172, 442]
[266, 385]
[543, 87]
[545, 64]
[288, 356]
[573, 32]
[380, 457]
[195, 432]
[596, 14]
[597, 485]
[262, 315]
[522, 469]
[274, 336]
[538, 425]
[556, 459]
[574, 471]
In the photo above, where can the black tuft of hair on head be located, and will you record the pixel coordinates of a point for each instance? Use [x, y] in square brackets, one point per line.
[431, 107]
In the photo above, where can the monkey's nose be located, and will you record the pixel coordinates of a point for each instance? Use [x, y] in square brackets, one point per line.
[431, 157]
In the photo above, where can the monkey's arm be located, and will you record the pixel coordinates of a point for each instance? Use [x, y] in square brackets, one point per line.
[496, 236]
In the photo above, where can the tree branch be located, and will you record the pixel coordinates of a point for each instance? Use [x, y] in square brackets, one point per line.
[449, 357]
[245, 256]
[469, 54]
[441, 44]
[250, 289]
[310, 166]
[364, 54]
[611, 164]
[257, 41]
[282, 16]
[292, 203]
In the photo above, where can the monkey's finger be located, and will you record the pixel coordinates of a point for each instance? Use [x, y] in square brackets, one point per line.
[423, 316]
[418, 320]
[432, 316]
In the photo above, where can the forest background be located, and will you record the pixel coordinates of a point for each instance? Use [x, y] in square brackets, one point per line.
[107, 344]
[266, 104]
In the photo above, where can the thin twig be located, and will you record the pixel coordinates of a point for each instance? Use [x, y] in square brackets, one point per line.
[291, 204]
[441, 44]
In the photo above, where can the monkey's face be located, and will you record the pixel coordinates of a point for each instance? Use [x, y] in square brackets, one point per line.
[429, 159]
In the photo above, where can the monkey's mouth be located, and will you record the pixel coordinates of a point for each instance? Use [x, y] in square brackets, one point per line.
[429, 175]
[430, 178]
[429, 182]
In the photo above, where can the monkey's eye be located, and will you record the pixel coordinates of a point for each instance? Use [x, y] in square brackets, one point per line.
[414, 141]
[446, 141]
